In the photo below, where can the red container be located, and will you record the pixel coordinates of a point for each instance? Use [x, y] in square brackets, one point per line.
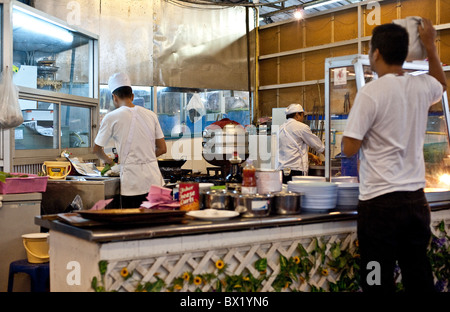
[189, 194]
[30, 184]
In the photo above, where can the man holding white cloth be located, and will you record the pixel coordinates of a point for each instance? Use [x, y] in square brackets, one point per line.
[387, 124]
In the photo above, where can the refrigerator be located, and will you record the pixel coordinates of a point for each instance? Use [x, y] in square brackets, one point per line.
[17, 212]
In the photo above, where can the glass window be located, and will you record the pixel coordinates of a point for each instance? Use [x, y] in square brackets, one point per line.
[75, 126]
[49, 56]
[188, 111]
[143, 96]
[40, 127]
[342, 95]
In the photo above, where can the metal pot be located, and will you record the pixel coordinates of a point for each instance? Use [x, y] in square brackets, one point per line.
[253, 205]
[216, 199]
[287, 203]
[219, 143]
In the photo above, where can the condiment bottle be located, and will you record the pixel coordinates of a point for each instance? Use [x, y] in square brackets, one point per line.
[233, 181]
[249, 179]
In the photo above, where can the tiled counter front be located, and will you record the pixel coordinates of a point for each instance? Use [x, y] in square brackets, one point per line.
[258, 259]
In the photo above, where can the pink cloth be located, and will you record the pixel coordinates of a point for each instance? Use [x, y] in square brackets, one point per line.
[160, 198]
[101, 204]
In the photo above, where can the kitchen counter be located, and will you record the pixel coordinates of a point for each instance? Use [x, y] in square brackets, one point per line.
[166, 252]
[60, 193]
[122, 233]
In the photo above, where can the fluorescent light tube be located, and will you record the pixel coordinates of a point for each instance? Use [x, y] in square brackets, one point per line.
[35, 25]
[313, 6]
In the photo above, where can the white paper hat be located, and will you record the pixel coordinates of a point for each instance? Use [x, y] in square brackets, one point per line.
[118, 80]
[294, 108]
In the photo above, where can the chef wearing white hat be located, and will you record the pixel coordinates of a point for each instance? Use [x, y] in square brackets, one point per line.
[294, 137]
[138, 138]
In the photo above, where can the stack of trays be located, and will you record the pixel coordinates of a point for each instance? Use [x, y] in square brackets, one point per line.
[318, 196]
[347, 195]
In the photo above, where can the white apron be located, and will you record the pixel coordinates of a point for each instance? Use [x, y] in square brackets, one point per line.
[136, 178]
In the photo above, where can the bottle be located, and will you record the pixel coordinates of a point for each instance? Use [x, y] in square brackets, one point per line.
[249, 179]
[233, 180]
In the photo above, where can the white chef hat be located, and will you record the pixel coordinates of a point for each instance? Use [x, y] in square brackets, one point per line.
[118, 80]
[294, 108]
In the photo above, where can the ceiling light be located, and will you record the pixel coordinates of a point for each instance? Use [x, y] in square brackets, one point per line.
[33, 24]
[316, 5]
[298, 14]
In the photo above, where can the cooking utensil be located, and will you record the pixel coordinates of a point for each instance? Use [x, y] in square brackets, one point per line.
[253, 205]
[216, 199]
[287, 203]
[172, 163]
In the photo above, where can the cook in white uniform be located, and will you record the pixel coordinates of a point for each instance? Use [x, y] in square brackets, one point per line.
[138, 138]
[294, 137]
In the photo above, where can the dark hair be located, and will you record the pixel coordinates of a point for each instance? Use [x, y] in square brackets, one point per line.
[293, 115]
[123, 92]
[392, 42]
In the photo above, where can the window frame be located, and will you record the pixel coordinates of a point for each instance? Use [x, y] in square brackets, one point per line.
[9, 156]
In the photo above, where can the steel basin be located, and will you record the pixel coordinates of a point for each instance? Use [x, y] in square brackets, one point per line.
[216, 199]
[287, 203]
[253, 205]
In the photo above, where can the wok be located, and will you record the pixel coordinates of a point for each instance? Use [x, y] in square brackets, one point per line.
[172, 163]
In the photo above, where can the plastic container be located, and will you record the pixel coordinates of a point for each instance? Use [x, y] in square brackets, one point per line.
[58, 170]
[36, 246]
[269, 181]
[30, 184]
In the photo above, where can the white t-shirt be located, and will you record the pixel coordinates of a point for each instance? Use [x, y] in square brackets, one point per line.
[390, 116]
[293, 140]
[139, 168]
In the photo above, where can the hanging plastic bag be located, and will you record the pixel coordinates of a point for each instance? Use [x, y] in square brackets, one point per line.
[10, 112]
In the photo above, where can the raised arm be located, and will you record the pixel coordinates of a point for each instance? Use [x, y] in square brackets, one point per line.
[428, 36]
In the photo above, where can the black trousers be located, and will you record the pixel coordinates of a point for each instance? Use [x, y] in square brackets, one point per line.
[132, 201]
[287, 178]
[395, 227]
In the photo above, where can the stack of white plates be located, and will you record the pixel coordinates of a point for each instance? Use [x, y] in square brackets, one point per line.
[317, 196]
[309, 178]
[349, 179]
[347, 195]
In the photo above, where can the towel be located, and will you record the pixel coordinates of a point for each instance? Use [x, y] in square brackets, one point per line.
[416, 49]
[160, 198]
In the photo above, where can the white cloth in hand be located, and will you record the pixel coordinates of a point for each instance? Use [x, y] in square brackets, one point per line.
[416, 49]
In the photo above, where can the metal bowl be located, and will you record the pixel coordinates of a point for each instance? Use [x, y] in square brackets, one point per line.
[253, 205]
[287, 203]
[216, 199]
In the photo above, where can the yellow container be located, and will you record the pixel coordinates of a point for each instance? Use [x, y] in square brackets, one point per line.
[57, 169]
[36, 246]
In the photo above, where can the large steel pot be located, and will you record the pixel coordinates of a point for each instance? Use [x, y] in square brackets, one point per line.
[253, 205]
[216, 199]
[221, 140]
[287, 203]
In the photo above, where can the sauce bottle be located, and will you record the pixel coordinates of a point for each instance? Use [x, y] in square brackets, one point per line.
[233, 180]
[249, 178]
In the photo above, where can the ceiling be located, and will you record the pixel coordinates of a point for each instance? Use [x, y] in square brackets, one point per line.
[272, 11]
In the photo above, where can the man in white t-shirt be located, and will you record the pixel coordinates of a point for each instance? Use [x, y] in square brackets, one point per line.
[139, 140]
[294, 138]
[387, 124]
